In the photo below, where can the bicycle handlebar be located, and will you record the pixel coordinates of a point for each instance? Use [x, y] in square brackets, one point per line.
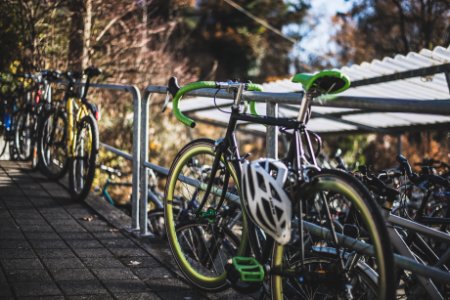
[206, 84]
[434, 179]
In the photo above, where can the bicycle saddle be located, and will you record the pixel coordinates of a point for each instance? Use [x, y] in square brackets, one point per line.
[92, 71]
[326, 81]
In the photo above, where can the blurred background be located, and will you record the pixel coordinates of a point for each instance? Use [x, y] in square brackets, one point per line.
[144, 42]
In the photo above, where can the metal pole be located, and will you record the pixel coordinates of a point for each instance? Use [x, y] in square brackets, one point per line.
[272, 131]
[143, 169]
[399, 144]
[136, 157]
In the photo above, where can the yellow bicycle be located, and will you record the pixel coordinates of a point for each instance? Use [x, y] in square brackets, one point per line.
[68, 138]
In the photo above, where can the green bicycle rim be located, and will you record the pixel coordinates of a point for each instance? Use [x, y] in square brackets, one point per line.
[199, 279]
[332, 183]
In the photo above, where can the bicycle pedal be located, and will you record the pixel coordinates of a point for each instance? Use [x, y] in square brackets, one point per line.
[247, 269]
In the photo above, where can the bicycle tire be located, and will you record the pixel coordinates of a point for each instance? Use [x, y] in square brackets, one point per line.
[3, 141]
[322, 263]
[335, 181]
[23, 135]
[52, 145]
[80, 177]
[198, 152]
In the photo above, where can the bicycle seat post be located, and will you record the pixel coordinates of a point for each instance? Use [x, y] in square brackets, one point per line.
[238, 96]
[304, 105]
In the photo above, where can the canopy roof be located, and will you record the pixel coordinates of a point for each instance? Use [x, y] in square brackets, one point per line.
[423, 76]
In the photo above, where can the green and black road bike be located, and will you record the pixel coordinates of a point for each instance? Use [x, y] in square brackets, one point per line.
[339, 247]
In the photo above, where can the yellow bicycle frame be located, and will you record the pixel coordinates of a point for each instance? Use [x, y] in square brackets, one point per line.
[76, 110]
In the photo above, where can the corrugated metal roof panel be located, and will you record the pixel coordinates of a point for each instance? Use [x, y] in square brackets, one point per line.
[433, 87]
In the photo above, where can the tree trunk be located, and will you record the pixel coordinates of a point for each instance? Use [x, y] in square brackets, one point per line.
[87, 34]
[76, 8]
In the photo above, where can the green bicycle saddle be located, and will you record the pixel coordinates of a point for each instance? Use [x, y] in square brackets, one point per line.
[327, 81]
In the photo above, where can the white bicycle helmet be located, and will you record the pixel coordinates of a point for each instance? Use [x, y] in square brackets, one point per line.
[264, 198]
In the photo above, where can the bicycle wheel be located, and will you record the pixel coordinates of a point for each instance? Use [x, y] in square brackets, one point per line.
[52, 145]
[82, 165]
[334, 200]
[3, 141]
[155, 223]
[201, 242]
[23, 135]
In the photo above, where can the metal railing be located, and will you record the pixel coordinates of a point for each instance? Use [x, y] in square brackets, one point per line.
[141, 165]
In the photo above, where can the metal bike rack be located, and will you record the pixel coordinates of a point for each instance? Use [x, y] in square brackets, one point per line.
[272, 99]
[135, 157]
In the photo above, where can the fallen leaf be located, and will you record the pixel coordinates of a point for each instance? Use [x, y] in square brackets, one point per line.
[134, 263]
[88, 218]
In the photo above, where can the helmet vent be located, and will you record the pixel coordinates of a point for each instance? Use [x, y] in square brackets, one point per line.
[261, 182]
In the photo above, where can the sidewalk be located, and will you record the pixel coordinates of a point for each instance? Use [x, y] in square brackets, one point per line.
[54, 248]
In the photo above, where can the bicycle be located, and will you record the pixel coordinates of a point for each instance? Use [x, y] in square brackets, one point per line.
[215, 240]
[68, 138]
[155, 213]
[38, 101]
[424, 245]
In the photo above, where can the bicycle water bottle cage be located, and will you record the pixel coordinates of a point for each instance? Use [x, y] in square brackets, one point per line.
[172, 89]
[326, 81]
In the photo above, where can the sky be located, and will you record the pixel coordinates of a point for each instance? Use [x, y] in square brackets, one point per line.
[317, 41]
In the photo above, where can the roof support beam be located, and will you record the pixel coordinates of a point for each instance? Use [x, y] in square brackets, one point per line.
[403, 75]
[434, 107]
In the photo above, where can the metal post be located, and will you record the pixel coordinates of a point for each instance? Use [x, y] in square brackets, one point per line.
[272, 131]
[136, 157]
[399, 144]
[143, 169]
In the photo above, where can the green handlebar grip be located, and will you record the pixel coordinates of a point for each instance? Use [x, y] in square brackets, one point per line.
[201, 85]
[187, 88]
[254, 88]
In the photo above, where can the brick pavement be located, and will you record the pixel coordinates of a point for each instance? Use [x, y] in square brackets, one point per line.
[54, 248]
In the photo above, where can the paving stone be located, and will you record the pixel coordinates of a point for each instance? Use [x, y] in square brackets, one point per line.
[36, 221]
[72, 274]
[111, 234]
[28, 276]
[76, 235]
[84, 243]
[118, 243]
[71, 228]
[102, 262]
[42, 235]
[91, 297]
[43, 298]
[63, 263]
[151, 273]
[182, 295]
[137, 296]
[36, 289]
[140, 262]
[126, 286]
[92, 252]
[22, 264]
[114, 274]
[5, 291]
[48, 244]
[82, 287]
[55, 253]
[167, 284]
[14, 244]
[124, 252]
[16, 253]
[36, 228]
